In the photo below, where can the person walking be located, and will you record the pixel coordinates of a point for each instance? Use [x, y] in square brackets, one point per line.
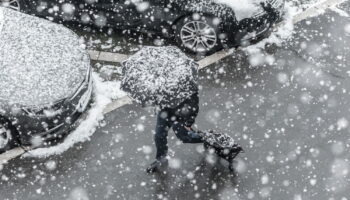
[180, 119]
[166, 78]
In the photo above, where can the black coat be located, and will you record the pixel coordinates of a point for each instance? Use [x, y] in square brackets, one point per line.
[186, 112]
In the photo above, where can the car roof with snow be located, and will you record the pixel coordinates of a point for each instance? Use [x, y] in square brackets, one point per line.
[40, 62]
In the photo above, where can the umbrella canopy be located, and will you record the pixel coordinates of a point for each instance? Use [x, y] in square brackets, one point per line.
[160, 76]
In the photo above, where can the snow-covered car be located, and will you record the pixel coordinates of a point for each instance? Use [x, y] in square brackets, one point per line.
[198, 26]
[45, 80]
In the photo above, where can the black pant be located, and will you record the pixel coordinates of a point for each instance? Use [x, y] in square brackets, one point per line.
[165, 121]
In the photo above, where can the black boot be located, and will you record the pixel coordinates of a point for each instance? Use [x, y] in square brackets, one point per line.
[207, 146]
[158, 165]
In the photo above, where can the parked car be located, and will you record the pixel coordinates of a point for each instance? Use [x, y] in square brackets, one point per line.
[45, 80]
[198, 26]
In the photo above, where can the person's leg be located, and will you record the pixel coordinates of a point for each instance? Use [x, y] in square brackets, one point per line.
[160, 138]
[186, 136]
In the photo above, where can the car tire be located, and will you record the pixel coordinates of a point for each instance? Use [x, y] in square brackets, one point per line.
[13, 4]
[198, 34]
[7, 136]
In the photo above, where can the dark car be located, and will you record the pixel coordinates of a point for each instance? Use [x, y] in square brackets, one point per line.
[198, 26]
[45, 80]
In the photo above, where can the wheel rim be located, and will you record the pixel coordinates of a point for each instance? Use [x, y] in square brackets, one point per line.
[13, 4]
[5, 137]
[198, 36]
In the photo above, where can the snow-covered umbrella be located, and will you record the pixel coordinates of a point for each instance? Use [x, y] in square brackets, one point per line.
[160, 76]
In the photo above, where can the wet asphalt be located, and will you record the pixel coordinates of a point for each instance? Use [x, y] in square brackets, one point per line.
[291, 117]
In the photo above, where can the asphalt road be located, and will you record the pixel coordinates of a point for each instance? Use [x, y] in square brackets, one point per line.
[291, 117]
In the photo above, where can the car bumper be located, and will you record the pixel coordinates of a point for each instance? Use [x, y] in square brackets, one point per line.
[249, 30]
[77, 105]
[64, 128]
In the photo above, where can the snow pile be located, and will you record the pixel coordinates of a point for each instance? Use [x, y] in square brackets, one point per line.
[104, 93]
[243, 10]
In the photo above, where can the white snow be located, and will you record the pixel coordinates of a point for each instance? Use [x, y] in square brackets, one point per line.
[346, 28]
[338, 180]
[142, 6]
[78, 193]
[41, 62]
[173, 68]
[297, 197]
[283, 32]
[338, 148]
[340, 168]
[306, 98]
[282, 78]
[104, 93]
[100, 20]
[68, 8]
[146, 149]
[265, 192]
[243, 10]
[313, 182]
[342, 123]
[1, 19]
[51, 165]
[265, 179]
[210, 158]
[175, 163]
[228, 193]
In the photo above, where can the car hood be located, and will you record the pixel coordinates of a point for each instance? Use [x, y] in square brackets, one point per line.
[243, 10]
[40, 62]
[226, 9]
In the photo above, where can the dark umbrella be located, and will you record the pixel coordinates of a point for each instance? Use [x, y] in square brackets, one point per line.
[160, 76]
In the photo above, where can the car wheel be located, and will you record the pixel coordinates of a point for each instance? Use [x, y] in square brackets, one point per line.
[13, 4]
[198, 34]
[6, 138]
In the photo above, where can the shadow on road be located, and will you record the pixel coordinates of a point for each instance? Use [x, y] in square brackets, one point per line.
[207, 181]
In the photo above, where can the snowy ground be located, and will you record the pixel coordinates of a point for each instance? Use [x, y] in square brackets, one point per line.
[291, 116]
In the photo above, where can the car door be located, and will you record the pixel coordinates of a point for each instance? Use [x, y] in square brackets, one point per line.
[131, 13]
[118, 12]
[65, 10]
